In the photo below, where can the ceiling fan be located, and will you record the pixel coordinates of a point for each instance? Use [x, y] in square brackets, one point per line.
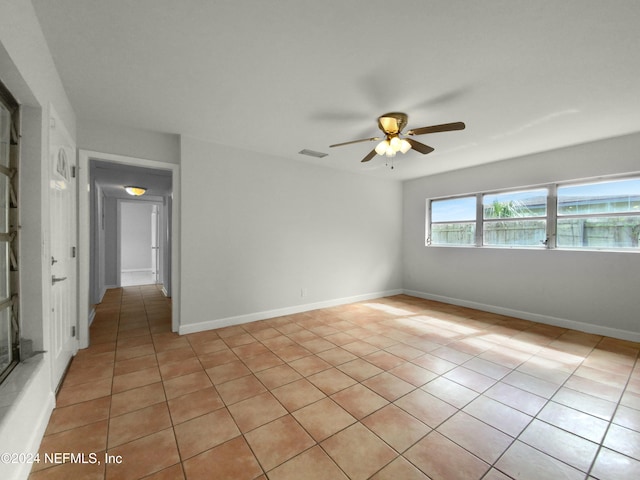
[394, 140]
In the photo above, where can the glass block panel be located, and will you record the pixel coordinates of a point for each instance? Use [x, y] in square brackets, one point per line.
[4, 203]
[621, 196]
[515, 233]
[530, 203]
[599, 232]
[5, 135]
[6, 351]
[4, 271]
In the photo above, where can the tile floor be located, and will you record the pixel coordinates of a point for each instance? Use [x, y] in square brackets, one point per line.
[388, 389]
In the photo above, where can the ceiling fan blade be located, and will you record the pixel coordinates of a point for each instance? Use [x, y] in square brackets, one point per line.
[420, 147]
[372, 139]
[445, 127]
[372, 154]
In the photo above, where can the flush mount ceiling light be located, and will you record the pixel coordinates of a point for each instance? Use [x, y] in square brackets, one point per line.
[135, 191]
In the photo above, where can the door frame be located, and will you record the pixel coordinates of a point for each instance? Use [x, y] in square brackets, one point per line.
[85, 312]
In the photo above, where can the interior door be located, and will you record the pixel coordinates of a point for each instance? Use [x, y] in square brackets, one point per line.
[63, 343]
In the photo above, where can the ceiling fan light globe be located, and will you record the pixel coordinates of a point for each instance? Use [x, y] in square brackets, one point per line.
[382, 147]
[395, 143]
[404, 146]
[390, 152]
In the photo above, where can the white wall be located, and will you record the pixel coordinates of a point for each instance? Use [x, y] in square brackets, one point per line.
[27, 69]
[102, 137]
[256, 230]
[135, 235]
[591, 291]
[110, 245]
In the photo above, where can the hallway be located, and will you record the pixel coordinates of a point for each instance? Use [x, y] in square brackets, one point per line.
[391, 388]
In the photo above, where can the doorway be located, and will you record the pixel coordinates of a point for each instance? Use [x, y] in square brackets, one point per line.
[140, 248]
[99, 200]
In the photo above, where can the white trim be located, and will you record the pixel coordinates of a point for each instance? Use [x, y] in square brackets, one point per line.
[92, 316]
[84, 231]
[25, 420]
[131, 270]
[252, 317]
[534, 317]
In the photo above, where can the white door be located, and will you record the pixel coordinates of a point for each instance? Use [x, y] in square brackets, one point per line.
[63, 340]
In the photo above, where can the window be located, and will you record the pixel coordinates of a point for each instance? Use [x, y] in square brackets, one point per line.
[8, 221]
[595, 215]
[453, 221]
[515, 218]
[599, 215]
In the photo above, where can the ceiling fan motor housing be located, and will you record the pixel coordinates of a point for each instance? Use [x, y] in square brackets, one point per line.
[392, 123]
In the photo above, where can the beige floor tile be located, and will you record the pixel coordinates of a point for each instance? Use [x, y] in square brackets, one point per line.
[202, 433]
[396, 427]
[440, 458]
[524, 462]
[359, 400]
[278, 441]
[555, 442]
[256, 411]
[400, 469]
[297, 394]
[277, 376]
[78, 415]
[426, 408]
[331, 381]
[137, 398]
[194, 404]
[178, 386]
[131, 426]
[147, 455]
[323, 418]
[388, 386]
[315, 464]
[240, 389]
[498, 415]
[358, 452]
[175, 406]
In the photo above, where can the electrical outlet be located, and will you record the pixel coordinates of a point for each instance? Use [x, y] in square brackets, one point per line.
[304, 292]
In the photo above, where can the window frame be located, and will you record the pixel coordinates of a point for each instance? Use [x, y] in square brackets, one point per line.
[429, 213]
[551, 217]
[594, 181]
[481, 218]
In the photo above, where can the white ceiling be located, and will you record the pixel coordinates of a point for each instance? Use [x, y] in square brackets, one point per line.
[282, 75]
[113, 177]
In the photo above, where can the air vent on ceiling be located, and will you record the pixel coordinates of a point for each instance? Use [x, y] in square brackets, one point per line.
[313, 153]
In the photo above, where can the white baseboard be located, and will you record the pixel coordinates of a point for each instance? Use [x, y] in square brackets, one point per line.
[252, 317]
[92, 316]
[135, 270]
[534, 317]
